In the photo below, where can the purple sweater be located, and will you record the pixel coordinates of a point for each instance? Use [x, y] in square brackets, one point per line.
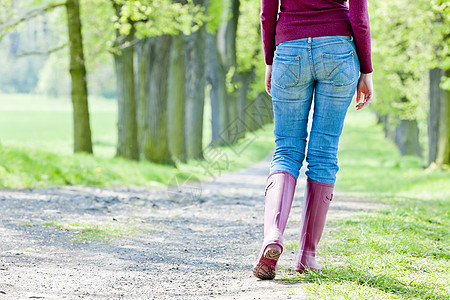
[299, 19]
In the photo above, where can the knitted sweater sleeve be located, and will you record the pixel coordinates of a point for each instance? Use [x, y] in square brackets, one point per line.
[359, 20]
[269, 14]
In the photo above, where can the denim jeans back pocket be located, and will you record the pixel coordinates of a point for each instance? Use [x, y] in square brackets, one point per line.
[286, 70]
[340, 68]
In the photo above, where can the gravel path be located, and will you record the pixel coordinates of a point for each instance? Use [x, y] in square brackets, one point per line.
[196, 243]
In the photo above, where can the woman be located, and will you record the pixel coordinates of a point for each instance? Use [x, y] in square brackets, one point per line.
[318, 49]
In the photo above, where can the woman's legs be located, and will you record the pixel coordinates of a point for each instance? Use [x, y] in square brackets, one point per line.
[328, 120]
[292, 88]
[336, 69]
[329, 67]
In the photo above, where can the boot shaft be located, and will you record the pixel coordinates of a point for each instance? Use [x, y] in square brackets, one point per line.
[318, 197]
[280, 189]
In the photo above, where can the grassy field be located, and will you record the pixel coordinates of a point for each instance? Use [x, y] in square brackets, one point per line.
[36, 148]
[400, 252]
[44, 123]
[371, 164]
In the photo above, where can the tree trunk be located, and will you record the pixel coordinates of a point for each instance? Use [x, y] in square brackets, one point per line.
[389, 129]
[407, 138]
[443, 152]
[231, 32]
[233, 114]
[195, 91]
[221, 61]
[245, 79]
[434, 113]
[139, 62]
[154, 60]
[127, 143]
[175, 108]
[252, 117]
[216, 76]
[230, 50]
[259, 111]
[438, 120]
[266, 108]
[81, 124]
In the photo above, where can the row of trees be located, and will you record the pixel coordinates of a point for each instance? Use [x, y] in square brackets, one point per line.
[411, 48]
[165, 54]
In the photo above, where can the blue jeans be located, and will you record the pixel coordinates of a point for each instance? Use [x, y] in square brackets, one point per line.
[328, 69]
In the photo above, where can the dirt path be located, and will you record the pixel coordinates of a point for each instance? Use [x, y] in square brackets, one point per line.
[155, 244]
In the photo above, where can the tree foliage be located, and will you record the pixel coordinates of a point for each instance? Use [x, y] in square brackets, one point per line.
[158, 17]
[6, 11]
[217, 14]
[249, 47]
[409, 38]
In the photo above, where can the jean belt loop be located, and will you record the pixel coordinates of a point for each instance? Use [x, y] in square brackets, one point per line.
[351, 38]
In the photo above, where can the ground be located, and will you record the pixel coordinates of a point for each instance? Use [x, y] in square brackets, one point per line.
[198, 241]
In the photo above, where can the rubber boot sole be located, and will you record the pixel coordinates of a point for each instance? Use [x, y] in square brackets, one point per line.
[266, 267]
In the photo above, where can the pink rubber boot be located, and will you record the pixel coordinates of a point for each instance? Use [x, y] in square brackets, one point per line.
[318, 196]
[280, 190]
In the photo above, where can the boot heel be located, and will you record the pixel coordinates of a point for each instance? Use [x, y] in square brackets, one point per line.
[266, 268]
[272, 254]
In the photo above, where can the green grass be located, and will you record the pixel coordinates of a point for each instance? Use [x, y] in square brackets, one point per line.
[371, 164]
[44, 123]
[36, 149]
[399, 252]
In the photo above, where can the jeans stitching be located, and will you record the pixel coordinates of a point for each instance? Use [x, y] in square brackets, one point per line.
[311, 63]
[297, 77]
[353, 67]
